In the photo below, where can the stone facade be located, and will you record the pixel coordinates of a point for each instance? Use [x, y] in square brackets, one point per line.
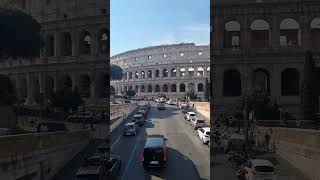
[261, 45]
[76, 36]
[170, 69]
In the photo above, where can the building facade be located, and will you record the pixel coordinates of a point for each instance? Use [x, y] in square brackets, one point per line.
[258, 44]
[170, 69]
[75, 54]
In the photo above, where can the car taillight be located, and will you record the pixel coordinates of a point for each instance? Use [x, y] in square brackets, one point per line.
[165, 156]
[142, 158]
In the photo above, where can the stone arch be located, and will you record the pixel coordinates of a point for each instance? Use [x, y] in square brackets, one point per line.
[182, 72]
[290, 82]
[149, 74]
[157, 73]
[66, 45]
[50, 43]
[143, 89]
[125, 75]
[165, 72]
[149, 88]
[260, 33]
[130, 88]
[136, 88]
[315, 32]
[231, 83]
[190, 71]
[191, 87]
[101, 85]
[143, 75]
[173, 88]
[232, 34]
[136, 75]
[200, 87]
[182, 87]
[130, 75]
[65, 82]
[173, 72]
[85, 42]
[200, 71]
[165, 88]
[50, 86]
[85, 85]
[261, 80]
[103, 41]
[289, 32]
[157, 88]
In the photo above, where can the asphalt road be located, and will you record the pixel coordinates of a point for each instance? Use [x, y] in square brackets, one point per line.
[188, 158]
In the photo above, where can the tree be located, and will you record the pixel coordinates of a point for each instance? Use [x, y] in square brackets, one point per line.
[20, 34]
[116, 72]
[162, 95]
[191, 95]
[206, 89]
[67, 99]
[130, 93]
[7, 91]
[309, 99]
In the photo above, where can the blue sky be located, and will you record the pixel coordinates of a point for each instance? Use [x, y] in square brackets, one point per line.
[140, 23]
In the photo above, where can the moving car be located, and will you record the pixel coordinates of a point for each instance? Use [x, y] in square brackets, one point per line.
[139, 119]
[130, 129]
[197, 123]
[190, 115]
[161, 106]
[171, 102]
[204, 134]
[154, 152]
[91, 172]
[259, 169]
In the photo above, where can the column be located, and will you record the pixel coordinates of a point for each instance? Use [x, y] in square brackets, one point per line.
[75, 43]
[93, 43]
[74, 78]
[245, 39]
[92, 85]
[55, 88]
[305, 31]
[275, 32]
[42, 82]
[57, 44]
[30, 89]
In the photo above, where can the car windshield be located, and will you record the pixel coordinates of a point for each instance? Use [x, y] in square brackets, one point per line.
[192, 115]
[88, 177]
[128, 127]
[200, 121]
[207, 133]
[264, 169]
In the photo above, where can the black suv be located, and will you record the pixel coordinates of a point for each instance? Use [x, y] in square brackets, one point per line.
[155, 152]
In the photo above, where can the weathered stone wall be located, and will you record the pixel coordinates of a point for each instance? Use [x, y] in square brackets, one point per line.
[300, 147]
[39, 156]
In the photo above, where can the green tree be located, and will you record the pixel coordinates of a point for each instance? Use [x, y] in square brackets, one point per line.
[67, 99]
[163, 95]
[7, 91]
[116, 72]
[190, 94]
[309, 99]
[19, 33]
[130, 93]
[206, 89]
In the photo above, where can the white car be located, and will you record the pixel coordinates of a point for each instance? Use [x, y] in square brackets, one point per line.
[204, 134]
[190, 115]
[197, 123]
[260, 169]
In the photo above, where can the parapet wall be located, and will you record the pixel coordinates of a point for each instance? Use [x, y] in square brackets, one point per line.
[301, 147]
[39, 156]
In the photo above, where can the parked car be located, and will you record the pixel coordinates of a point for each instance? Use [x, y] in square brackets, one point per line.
[204, 134]
[190, 115]
[197, 123]
[256, 169]
[155, 151]
[130, 129]
[161, 106]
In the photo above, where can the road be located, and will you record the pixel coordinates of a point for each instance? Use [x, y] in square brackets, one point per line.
[188, 158]
[222, 169]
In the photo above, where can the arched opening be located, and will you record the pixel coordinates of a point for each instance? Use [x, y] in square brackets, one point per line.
[85, 43]
[289, 32]
[157, 73]
[231, 83]
[191, 87]
[182, 72]
[130, 75]
[165, 72]
[190, 72]
[50, 87]
[200, 87]
[182, 88]
[85, 84]
[260, 31]
[36, 89]
[23, 88]
[232, 34]
[315, 32]
[103, 41]
[165, 88]
[101, 86]
[143, 88]
[125, 76]
[149, 88]
[143, 75]
[136, 75]
[50, 45]
[200, 71]
[174, 72]
[130, 88]
[173, 88]
[65, 82]
[136, 88]
[261, 80]
[290, 80]
[157, 88]
[66, 48]
[149, 74]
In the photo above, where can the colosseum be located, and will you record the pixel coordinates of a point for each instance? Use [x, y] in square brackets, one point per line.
[75, 54]
[170, 69]
[261, 44]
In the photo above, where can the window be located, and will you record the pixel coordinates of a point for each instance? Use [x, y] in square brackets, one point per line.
[181, 54]
[200, 53]
[149, 57]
